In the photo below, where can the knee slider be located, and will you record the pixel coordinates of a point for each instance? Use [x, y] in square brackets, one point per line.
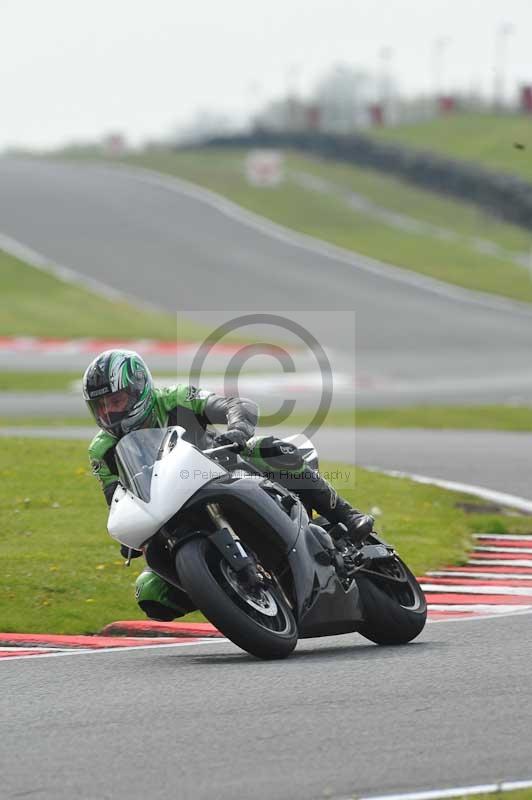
[159, 612]
[154, 597]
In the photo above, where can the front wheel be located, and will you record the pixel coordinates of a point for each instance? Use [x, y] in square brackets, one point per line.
[395, 609]
[258, 620]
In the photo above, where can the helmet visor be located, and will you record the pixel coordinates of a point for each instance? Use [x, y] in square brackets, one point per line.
[110, 409]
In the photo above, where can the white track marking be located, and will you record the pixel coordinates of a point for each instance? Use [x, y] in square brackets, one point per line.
[17, 648]
[452, 588]
[68, 275]
[497, 549]
[499, 562]
[507, 537]
[405, 223]
[96, 651]
[479, 608]
[500, 498]
[523, 610]
[481, 576]
[458, 791]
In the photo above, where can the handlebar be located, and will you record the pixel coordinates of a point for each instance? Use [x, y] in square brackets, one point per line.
[233, 446]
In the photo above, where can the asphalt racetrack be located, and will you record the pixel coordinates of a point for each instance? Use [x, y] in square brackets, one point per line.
[144, 236]
[340, 716]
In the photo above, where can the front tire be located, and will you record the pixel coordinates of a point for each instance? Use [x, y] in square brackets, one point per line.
[395, 611]
[214, 587]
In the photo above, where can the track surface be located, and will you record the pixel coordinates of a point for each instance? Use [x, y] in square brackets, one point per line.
[339, 717]
[180, 253]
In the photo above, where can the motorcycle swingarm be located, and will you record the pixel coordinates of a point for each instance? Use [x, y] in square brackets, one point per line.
[370, 554]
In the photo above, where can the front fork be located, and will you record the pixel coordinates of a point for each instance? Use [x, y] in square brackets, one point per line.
[219, 521]
[252, 574]
[228, 543]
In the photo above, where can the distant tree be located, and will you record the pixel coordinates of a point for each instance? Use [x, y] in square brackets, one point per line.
[203, 125]
[344, 96]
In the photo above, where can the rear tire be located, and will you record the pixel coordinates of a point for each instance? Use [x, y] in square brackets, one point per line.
[209, 581]
[393, 613]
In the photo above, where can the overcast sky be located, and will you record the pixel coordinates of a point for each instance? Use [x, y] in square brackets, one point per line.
[76, 69]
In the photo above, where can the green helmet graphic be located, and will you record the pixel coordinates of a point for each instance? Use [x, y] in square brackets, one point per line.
[118, 389]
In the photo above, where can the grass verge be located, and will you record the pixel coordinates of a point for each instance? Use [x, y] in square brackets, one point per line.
[35, 303]
[488, 139]
[47, 422]
[404, 198]
[38, 381]
[490, 417]
[62, 573]
[504, 418]
[29, 381]
[516, 794]
[327, 216]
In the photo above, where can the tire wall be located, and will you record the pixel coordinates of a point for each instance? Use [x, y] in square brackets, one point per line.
[503, 195]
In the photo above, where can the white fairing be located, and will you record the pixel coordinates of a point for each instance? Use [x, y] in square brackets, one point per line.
[179, 474]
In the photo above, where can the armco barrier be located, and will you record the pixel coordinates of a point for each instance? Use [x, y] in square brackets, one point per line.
[504, 195]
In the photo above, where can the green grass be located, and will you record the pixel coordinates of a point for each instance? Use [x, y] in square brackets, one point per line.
[43, 381]
[507, 418]
[396, 195]
[504, 418]
[35, 303]
[37, 381]
[518, 794]
[488, 139]
[47, 422]
[327, 216]
[62, 572]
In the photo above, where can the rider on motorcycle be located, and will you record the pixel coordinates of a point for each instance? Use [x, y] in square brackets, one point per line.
[120, 394]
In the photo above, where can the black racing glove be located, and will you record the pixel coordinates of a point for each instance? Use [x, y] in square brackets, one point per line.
[126, 553]
[231, 437]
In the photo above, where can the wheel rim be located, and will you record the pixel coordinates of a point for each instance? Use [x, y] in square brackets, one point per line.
[399, 587]
[262, 601]
[279, 623]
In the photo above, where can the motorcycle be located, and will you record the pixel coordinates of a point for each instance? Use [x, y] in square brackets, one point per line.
[245, 551]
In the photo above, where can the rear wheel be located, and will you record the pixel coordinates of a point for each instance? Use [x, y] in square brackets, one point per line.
[395, 609]
[258, 619]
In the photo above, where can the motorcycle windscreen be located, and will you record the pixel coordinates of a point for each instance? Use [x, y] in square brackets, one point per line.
[136, 455]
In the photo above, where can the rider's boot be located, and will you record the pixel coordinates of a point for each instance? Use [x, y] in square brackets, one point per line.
[326, 501]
